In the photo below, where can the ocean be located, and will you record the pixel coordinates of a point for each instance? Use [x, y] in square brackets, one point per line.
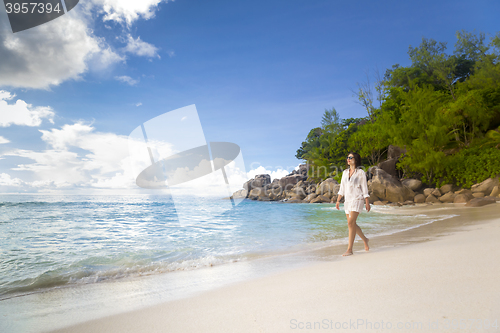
[57, 244]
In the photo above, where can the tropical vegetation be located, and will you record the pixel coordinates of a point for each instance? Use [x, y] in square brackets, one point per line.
[443, 110]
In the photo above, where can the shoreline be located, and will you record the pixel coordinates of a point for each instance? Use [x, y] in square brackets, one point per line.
[292, 250]
[219, 302]
[295, 250]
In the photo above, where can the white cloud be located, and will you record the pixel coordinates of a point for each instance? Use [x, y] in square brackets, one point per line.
[104, 162]
[3, 140]
[127, 11]
[49, 54]
[105, 58]
[83, 160]
[106, 151]
[66, 48]
[80, 159]
[140, 48]
[60, 168]
[127, 79]
[8, 184]
[198, 179]
[68, 135]
[6, 180]
[21, 113]
[138, 104]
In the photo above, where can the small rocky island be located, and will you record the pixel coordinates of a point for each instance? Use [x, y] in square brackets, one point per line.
[384, 187]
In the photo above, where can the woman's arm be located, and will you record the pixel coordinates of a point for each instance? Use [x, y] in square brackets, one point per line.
[364, 185]
[364, 189]
[337, 204]
[342, 187]
[340, 194]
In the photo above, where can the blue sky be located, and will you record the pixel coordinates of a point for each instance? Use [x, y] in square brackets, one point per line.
[261, 74]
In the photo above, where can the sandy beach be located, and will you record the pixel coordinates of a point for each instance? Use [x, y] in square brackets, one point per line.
[444, 278]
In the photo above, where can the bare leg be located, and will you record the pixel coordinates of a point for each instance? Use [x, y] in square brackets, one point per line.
[353, 230]
[363, 237]
[351, 224]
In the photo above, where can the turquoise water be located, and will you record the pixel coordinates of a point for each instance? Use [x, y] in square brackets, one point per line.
[54, 241]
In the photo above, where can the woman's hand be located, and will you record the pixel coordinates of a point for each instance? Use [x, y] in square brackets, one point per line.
[337, 205]
[367, 205]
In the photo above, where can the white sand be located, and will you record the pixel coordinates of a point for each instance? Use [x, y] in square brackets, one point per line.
[442, 281]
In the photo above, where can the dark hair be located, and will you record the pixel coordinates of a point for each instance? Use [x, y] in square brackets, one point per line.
[357, 159]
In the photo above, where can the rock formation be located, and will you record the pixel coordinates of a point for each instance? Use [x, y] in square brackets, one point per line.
[384, 188]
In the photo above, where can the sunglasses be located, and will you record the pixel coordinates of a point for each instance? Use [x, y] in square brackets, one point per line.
[350, 157]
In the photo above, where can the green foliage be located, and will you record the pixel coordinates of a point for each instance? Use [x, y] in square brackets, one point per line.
[470, 46]
[422, 129]
[400, 77]
[338, 177]
[439, 105]
[330, 123]
[468, 116]
[328, 157]
[470, 166]
[493, 137]
[339, 148]
[347, 122]
[495, 44]
[370, 141]
[326, 147]
[312, 141]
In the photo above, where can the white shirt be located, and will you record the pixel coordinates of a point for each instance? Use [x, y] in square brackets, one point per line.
[355, 188]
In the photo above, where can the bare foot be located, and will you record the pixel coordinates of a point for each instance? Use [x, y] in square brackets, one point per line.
[347, 253]
[367, 248]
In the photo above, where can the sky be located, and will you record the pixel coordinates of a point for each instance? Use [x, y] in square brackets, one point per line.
[260, 73]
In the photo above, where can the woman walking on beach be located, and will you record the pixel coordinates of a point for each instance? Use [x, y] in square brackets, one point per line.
[355, 189]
